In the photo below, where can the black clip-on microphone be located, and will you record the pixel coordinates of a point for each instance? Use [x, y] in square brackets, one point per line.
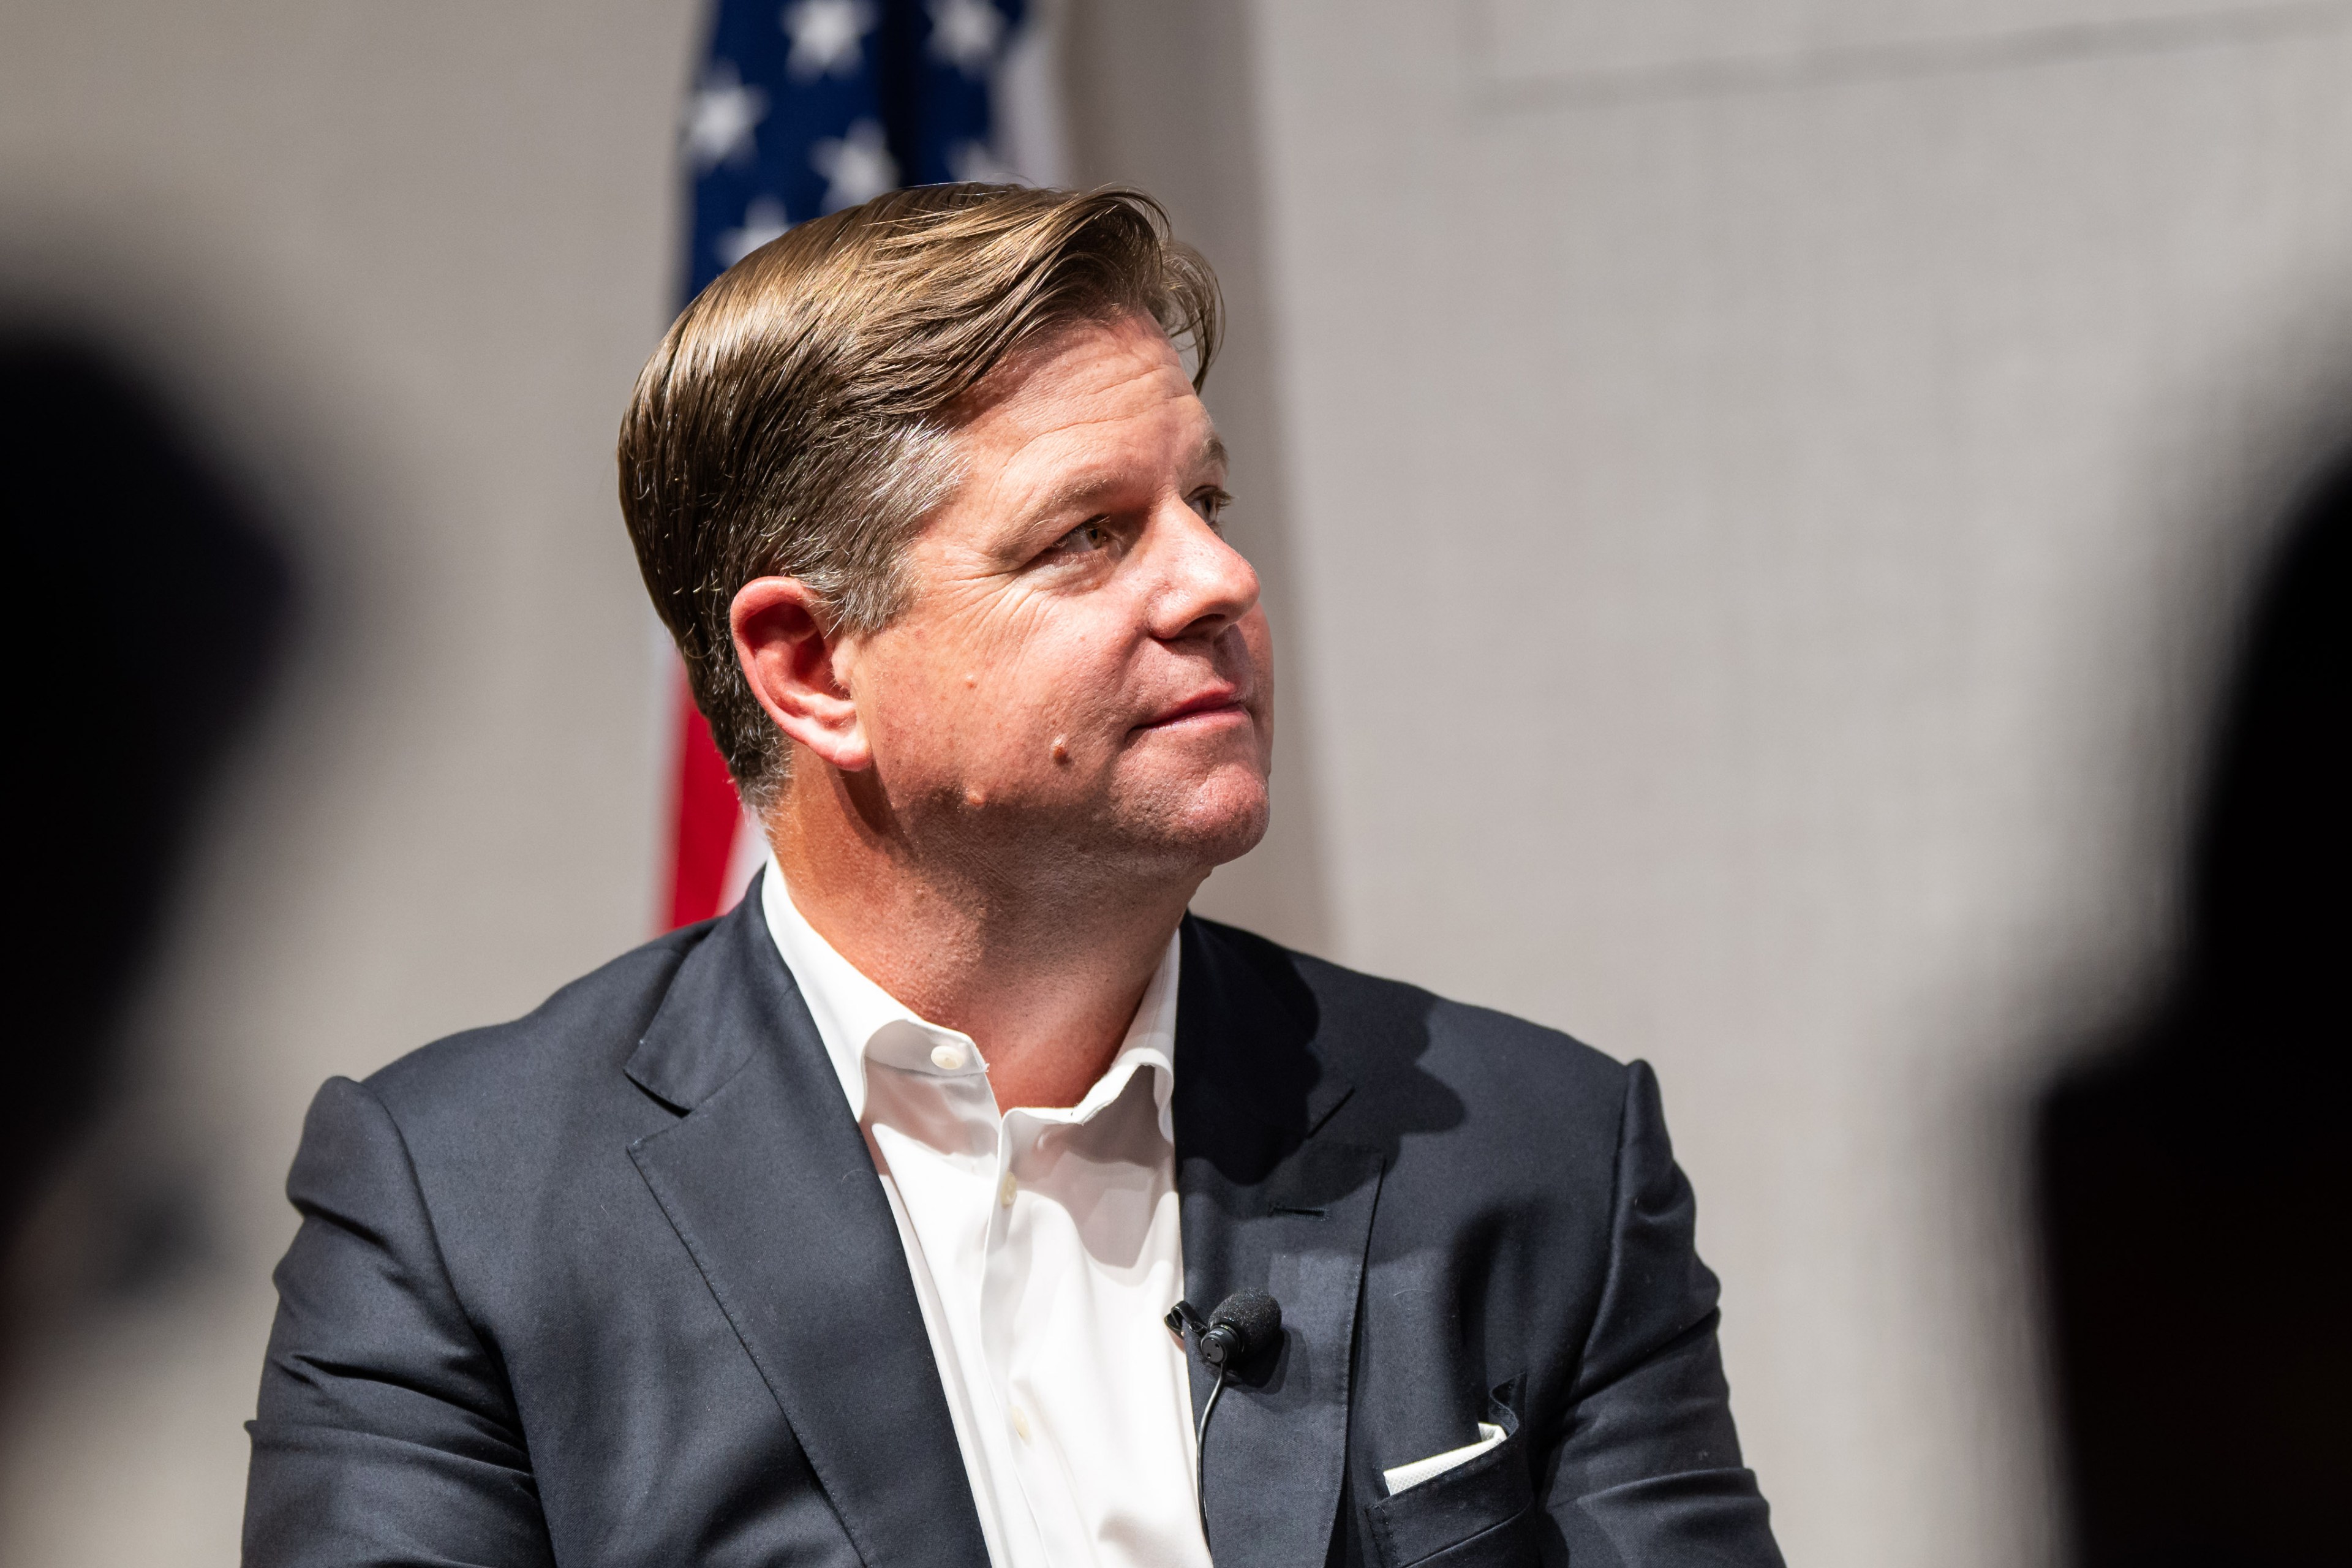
[1245, 1323]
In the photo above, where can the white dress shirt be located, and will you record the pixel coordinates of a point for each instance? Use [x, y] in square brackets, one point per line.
[1046, 1251]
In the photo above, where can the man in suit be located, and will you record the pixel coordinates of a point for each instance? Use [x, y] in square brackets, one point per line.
[847, 1229]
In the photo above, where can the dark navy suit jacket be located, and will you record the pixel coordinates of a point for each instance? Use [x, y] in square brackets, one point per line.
[616, 1285]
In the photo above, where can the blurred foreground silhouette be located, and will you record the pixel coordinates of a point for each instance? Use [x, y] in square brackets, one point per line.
[2196, 1184]
[150, 609]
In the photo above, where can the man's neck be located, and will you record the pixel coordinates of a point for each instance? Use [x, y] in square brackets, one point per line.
[1043, 967]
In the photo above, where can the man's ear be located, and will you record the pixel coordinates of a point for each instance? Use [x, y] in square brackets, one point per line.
[787, 653]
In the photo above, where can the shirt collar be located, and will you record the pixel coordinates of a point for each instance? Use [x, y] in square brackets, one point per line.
[859, 1021]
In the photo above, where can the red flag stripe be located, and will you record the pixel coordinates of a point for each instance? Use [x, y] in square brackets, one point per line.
[703, 821]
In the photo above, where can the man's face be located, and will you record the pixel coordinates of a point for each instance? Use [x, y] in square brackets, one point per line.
[1082, 669]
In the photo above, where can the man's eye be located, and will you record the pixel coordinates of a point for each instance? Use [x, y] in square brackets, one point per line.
[1086, 536]
[1211, 503]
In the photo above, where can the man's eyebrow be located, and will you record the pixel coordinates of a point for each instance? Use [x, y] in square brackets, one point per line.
[1071, 492]
[1079, 488]
[1212, 452]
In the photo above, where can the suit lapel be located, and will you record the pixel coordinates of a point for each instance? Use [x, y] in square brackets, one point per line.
[1268, 1202]
[770, 1187]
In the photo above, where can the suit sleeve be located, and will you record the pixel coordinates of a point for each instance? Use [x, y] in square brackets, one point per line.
[385, 1432]
[1645, 1469]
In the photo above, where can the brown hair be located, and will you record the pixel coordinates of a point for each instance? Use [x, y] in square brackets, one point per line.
[798, 418]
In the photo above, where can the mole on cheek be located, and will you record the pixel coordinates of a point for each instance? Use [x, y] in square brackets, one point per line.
[976, 797]
[1061, 749]
[972, 680]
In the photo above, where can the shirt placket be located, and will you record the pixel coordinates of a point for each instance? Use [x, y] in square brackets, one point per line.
[1011, 1240]
[961, 1179]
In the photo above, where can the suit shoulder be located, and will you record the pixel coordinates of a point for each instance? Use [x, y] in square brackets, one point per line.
[1379, 1022]
[593, 1022]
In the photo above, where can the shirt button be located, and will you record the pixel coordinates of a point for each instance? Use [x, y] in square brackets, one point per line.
[1005, 1191]
[1020, 1424]
[948, 1059]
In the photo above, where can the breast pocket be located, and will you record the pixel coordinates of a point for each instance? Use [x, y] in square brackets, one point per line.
[1479, 1514]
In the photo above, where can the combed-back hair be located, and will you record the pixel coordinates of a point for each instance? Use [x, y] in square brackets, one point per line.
[798, 419]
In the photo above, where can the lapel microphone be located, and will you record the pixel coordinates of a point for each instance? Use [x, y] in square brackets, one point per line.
[1245, 1325]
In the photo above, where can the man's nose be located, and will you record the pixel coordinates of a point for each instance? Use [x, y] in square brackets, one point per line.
[1206, 584]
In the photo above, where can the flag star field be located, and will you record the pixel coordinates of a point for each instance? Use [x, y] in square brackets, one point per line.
[809, 106]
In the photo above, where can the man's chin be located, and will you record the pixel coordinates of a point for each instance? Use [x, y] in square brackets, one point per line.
[1217, 819]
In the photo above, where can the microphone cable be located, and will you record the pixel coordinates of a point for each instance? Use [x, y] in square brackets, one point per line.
[1245, 1323]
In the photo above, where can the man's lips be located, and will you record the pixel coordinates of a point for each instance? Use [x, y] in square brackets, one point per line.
[1224, 699]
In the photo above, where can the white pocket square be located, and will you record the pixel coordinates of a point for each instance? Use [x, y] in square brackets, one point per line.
[1402, 1476]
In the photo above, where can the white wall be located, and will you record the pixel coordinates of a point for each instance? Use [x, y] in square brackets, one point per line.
[1751, 496]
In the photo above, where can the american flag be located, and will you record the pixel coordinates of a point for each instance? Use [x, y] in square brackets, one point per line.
[803, 108]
